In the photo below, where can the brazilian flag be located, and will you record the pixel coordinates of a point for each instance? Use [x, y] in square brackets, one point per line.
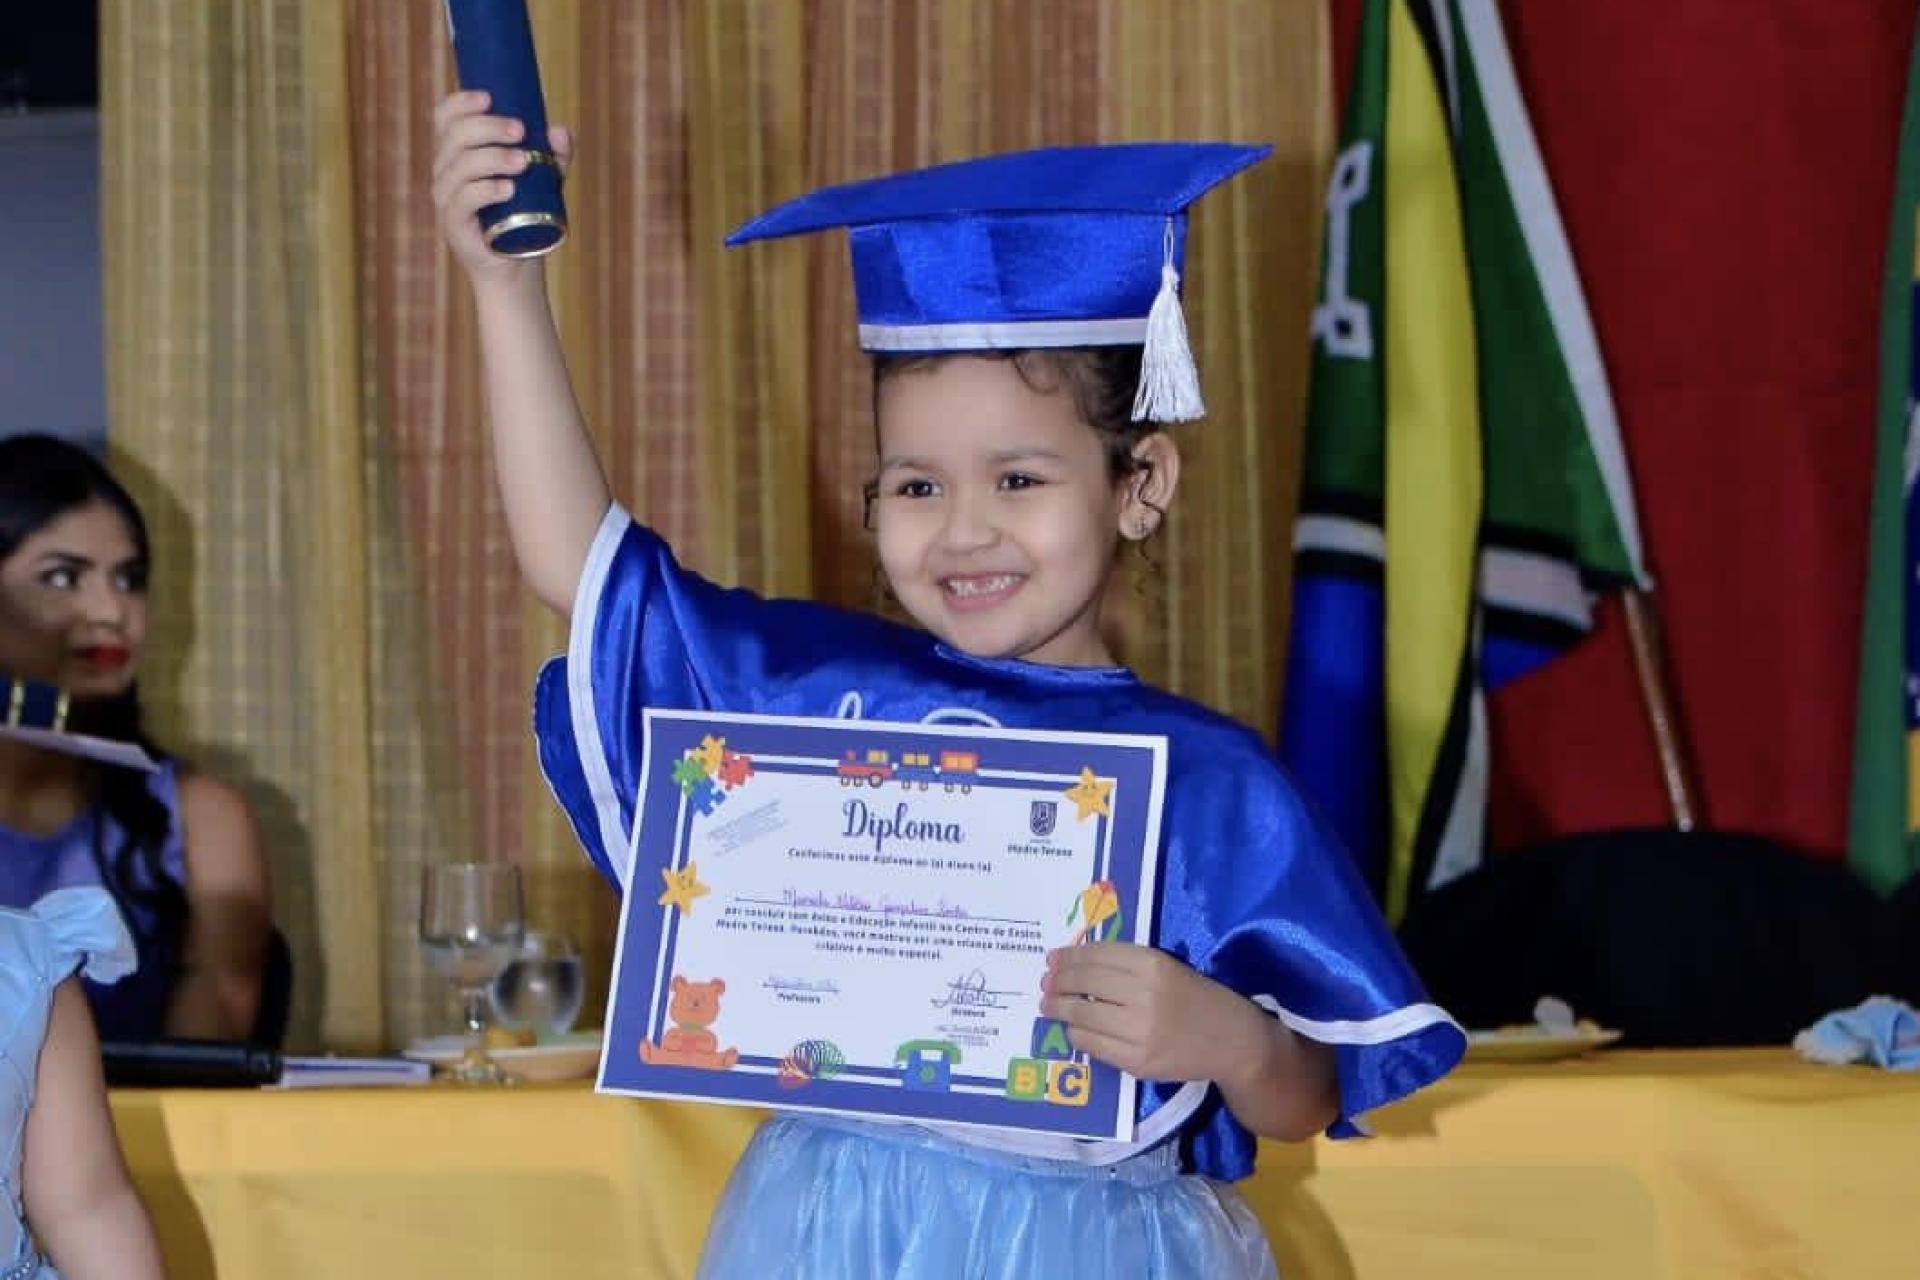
[1882, 846]
[1465, 493]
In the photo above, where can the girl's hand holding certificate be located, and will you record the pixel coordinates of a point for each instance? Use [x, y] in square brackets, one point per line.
[1143, 1011]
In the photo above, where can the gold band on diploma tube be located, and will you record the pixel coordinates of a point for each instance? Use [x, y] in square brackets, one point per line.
[518, 221]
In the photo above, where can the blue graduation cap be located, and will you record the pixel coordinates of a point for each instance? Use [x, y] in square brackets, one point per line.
[1061, 247]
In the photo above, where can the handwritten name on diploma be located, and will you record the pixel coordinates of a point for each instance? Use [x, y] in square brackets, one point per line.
[863, 822]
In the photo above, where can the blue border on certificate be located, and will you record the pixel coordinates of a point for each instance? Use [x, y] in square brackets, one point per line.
[1126, 844]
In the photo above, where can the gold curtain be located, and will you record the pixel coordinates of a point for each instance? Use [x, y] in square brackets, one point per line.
[233, 385]
[294, 378]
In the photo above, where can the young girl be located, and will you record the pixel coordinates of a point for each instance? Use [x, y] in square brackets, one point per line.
[178, 849]
[1023, 312]
[62, 1162]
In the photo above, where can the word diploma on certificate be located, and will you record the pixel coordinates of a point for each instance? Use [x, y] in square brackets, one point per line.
[854, 916]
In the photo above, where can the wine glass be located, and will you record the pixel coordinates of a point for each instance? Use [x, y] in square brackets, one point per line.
[542, 985]
[471, 920]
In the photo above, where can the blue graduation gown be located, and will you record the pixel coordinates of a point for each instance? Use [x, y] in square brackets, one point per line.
[1254, 892]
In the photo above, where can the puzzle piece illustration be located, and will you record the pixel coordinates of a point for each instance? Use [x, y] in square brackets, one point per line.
[705, 797]
[734, 769]
[689, 773]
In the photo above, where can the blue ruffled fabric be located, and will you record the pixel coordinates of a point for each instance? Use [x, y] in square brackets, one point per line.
[34, 867]
[41, 947]
[853, 1201]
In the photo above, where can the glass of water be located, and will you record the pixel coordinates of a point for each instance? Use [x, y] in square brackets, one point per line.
[542, 985]
[471, 921]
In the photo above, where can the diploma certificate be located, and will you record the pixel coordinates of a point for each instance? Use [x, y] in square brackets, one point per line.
[854, 916]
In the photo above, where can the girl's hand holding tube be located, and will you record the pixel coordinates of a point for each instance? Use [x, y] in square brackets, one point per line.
[477, 156]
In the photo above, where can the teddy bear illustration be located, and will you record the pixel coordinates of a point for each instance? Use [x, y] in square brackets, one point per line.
[688, 1043]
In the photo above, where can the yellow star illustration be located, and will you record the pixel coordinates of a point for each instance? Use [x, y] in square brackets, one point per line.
[1090, 795]
[710, 753]
[683, 886]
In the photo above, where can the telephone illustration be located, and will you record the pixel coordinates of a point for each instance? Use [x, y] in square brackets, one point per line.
[926, 1065]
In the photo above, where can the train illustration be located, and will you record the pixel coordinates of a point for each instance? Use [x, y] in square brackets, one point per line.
[950, 770]
[872, 768]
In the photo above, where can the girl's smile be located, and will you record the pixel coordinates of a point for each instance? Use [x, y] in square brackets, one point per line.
[982, 591]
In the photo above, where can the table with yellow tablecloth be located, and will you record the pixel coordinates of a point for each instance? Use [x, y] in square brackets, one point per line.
[1619, 1164]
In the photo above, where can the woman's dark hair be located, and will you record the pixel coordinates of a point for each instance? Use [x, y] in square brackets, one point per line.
[41, 479]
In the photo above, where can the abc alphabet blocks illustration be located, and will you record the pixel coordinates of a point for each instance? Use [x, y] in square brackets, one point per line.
[1069, 1084]
[1065, 1083]
[1050, 1040]
[1027, 1079]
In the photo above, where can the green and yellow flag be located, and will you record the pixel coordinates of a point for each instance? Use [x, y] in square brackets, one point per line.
[1465, 489]
[1882, 846]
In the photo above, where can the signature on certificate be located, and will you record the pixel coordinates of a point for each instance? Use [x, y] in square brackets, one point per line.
[818, 986]
[970, 991]
[801, 990]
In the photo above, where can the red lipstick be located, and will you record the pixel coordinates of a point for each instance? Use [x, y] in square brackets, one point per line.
[106, 657]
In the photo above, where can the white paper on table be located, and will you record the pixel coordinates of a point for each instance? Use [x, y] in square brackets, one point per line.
[350, 1073]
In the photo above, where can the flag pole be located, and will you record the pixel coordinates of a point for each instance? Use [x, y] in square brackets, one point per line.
[1649, 664]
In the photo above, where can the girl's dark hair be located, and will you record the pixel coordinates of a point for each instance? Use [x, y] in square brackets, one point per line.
[41, 479]
[1102, 381]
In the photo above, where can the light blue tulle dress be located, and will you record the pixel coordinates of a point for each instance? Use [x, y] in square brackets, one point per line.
[816, 1196]
[40, 947]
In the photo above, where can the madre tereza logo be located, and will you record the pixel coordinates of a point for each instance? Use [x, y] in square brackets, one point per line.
[864, 822]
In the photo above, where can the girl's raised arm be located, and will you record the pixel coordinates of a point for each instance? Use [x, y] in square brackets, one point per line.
[551, 482]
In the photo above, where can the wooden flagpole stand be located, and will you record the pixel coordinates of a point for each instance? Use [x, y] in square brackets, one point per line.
[1649, 664]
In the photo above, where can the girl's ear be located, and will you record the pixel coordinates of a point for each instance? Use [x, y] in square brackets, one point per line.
[1149, 490]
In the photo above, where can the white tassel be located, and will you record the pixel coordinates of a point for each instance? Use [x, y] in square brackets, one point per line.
[1169, 383]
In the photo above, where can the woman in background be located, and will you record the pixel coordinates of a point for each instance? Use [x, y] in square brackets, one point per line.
[179, 850]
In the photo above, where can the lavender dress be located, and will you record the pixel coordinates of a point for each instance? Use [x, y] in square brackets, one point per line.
[33, 866]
